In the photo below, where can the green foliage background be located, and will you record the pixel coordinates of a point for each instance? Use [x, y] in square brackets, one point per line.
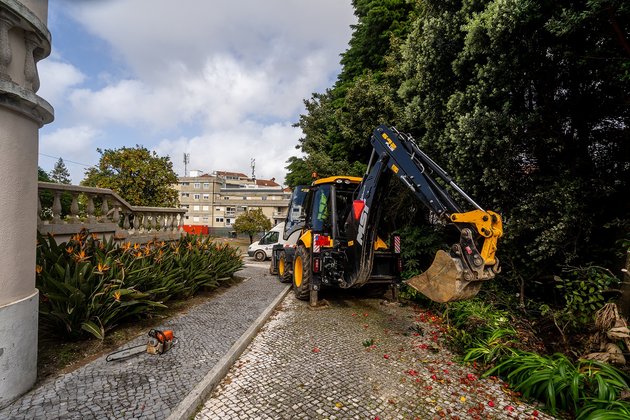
[140, 176]
[526, 104]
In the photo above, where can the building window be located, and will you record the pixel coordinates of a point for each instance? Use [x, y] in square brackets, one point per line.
[195, 219]
[205, 219]
[226, 198]
[184, 183]
[228, 222]
[185, 195]
[195, 208]
[206, 185]
[206, 208]
[218, 209]
[187, 217]
[197, 185]
[184, 206]
[197, 196]
[244, 208]
[264, 198]
[219, 220]
[244, 198]
[206, 196]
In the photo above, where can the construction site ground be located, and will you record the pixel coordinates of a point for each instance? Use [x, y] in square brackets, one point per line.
[353, 358]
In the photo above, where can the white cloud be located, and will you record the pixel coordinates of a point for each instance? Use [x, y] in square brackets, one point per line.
[74, 144]
[236, 72]
[233, 149]
[57, 77]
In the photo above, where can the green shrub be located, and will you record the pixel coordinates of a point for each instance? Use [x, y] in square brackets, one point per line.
[89, 285]
[583, 292]
[495, 347]
[559, 383]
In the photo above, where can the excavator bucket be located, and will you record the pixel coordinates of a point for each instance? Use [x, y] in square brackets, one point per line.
[444, 280]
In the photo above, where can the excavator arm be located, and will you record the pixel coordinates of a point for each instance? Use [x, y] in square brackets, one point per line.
[454, 275]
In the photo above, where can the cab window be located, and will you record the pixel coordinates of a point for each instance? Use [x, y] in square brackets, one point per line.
[321, 210]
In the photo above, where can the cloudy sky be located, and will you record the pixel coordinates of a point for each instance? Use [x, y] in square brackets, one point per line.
[221, 80]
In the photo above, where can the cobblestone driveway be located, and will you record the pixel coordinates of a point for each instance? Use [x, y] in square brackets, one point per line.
[148, 386]
[360, 359]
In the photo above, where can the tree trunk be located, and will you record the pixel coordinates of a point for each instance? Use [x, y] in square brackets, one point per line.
[624, 300]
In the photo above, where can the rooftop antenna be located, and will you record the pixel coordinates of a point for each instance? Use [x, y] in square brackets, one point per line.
[253, 165]
[186, 162]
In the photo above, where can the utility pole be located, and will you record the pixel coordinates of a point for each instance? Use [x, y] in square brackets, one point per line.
[186, 162]
[253, 165]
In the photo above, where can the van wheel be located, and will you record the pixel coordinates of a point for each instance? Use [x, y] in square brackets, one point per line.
[284, 273]
[260, 256]
[302, 273]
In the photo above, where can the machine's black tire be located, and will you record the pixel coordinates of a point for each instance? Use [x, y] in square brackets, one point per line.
[302, 273]
[260, 255]
[284, 274]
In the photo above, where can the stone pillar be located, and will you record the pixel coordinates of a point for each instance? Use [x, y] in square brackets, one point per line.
[24, 40]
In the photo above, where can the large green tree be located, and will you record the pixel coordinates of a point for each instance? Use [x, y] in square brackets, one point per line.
[60, 173]
[140, 176]
[252, 222]
[526, 104]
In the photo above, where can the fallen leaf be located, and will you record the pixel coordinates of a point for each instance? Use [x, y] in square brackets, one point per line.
[316, 350]
[535, 413]
[491, 403]
[338, 405]
[462, 398]
[509, 408]
[386, 356]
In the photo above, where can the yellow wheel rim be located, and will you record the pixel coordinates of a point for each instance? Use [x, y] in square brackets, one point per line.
[297, 271]
[281, 267]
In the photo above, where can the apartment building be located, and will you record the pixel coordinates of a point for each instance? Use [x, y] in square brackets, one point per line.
[214, 201]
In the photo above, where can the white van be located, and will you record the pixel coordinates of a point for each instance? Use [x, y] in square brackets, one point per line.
[261, 250]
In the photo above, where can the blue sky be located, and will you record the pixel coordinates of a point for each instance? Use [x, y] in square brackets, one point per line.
[221, 80]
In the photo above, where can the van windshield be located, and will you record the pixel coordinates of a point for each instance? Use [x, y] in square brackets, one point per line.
[269, 238]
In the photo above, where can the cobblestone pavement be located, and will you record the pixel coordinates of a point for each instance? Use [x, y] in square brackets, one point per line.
[148, 386]
[358, 358]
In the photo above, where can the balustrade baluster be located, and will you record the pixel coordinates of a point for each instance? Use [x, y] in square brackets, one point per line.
[126, 224]
[136, 222]
[104, 209]
[56, 208]
[116, 214]
[74, 209]
[90, 209]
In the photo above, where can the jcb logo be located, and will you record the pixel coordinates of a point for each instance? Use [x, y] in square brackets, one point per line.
[390, 142]
[362, 223]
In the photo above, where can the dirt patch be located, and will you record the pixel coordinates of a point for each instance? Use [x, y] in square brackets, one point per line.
[56, 357]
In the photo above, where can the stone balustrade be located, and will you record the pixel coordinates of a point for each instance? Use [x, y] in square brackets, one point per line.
[104, 212]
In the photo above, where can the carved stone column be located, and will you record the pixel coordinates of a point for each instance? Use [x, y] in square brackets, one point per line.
[24, 39]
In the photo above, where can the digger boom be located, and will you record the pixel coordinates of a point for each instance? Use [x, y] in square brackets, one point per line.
[454, 275]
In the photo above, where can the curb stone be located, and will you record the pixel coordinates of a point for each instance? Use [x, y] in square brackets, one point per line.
[189, 405]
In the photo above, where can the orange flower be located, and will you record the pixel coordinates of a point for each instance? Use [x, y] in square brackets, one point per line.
[70, 250]
[81, 256]
[125, 245]
[38, 269]
[101, 268]
[139, 254]
[136, 246]
[117, 295]
[94, 236]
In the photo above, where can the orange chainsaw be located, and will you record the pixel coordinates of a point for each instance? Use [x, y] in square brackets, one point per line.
[159, 342]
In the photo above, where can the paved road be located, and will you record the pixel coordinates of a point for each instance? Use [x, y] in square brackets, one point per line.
[357, 359]
[149, 386]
